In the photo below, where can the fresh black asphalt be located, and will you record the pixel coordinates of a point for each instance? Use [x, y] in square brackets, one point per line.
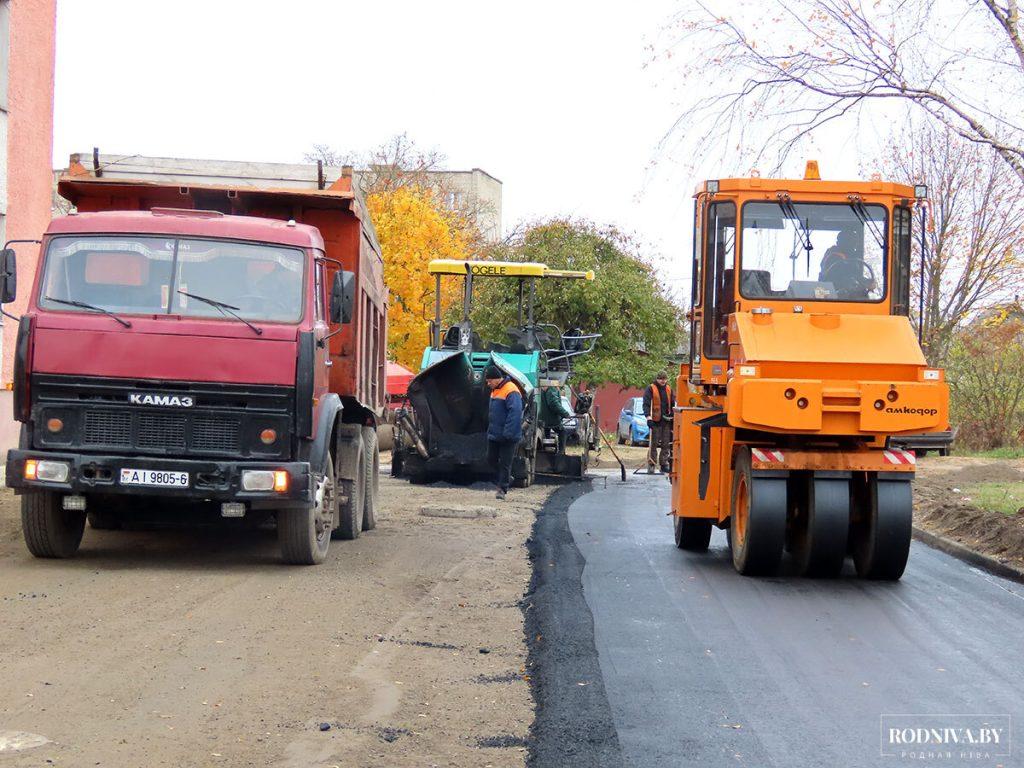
[573, 727]
[697, 665]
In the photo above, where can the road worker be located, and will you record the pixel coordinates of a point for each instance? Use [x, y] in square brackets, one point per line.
[658, 404]
[554, 411]
[504, 425]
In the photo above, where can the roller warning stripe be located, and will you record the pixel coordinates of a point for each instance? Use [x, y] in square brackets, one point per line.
[900, 457]
[765, 455]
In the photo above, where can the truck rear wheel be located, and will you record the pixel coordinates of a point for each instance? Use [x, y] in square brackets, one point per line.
[351, 493]
[881, 538]
[371, 463]
[758, 520]
[305, 534]
[48, 528]
[692, 533]
[820, 527]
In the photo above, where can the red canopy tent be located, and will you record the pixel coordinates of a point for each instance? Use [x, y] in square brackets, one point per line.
[397, 382]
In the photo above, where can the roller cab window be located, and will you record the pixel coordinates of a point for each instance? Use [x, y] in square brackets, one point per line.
[813, 251]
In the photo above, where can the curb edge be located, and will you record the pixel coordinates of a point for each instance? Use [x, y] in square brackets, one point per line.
[960, 552]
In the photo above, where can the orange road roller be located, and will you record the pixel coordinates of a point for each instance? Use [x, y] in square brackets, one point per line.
[803, 365]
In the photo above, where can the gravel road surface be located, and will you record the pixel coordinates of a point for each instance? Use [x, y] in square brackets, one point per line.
[199, 648]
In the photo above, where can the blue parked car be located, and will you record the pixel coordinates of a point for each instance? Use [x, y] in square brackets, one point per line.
[632, 428]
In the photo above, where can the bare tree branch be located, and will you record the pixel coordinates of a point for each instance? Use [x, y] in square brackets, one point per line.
[764, 77]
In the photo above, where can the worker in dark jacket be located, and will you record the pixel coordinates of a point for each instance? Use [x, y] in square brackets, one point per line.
[553, 411]
[658, 410]
[504, 425]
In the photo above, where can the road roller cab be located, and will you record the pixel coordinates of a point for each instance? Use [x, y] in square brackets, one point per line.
[803, 364]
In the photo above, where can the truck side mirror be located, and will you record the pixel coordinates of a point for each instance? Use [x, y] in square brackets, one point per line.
[343, 297]
[8, 276]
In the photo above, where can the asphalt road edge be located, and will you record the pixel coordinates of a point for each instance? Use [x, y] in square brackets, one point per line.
[573, 723]
[968, 555]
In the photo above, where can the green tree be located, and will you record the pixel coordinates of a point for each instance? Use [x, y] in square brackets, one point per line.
[986, 377]
[641, 329]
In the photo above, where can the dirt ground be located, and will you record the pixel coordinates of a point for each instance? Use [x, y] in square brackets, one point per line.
[198, 648]
[943, 505]
[633, 456]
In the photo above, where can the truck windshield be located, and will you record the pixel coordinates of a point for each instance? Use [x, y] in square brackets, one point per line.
[151, 275]
[813, 251]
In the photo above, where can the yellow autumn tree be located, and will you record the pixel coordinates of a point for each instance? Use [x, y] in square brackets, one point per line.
[413, 227]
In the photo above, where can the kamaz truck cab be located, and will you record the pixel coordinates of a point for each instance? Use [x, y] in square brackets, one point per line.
[220, 354]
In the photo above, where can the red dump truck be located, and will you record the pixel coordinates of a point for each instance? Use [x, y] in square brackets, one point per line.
[207, 337]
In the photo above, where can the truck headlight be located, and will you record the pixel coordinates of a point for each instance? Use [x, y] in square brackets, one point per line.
[264, 480]
[47, 471]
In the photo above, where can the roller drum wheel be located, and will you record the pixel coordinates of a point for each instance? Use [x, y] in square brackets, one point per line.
[820, 527]
[692, 533]
[758, 520]
[881, 543]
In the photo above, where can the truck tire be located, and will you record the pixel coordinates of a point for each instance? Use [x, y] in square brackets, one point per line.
[371, 464]
[49, 529]
[351, 492]
[305, 534]
[103, 520]
[693, 533]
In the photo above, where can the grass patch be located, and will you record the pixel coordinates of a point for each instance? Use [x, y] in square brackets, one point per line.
[1006, 452]
[996, 497]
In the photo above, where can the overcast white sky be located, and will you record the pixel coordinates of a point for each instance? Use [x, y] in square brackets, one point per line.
[551, 97]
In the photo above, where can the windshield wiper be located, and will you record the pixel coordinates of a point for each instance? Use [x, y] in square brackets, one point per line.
[91, 307]
[789, 211]
[861, 212]
[225, 309]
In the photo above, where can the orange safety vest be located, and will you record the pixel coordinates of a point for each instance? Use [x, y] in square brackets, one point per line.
[505, 390]
[656, 401]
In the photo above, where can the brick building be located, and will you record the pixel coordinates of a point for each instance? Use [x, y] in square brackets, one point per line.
[27, 48]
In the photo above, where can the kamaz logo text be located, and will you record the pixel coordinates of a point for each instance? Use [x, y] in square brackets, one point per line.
[137, 398]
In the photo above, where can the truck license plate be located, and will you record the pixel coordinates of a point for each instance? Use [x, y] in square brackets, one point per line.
[154, 477]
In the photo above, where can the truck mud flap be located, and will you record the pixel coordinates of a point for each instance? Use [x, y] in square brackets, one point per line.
[349, 448]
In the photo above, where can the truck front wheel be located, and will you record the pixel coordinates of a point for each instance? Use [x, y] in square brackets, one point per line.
[305, 534]
[49, 529]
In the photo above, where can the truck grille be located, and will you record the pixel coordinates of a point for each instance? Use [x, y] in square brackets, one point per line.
[224, 420]
[108, 428]
[163, 432]
[158, 430]
[213, 434]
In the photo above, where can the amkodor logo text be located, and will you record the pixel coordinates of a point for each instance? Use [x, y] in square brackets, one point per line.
[178, 401]
[945, 737]
[914, 411]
